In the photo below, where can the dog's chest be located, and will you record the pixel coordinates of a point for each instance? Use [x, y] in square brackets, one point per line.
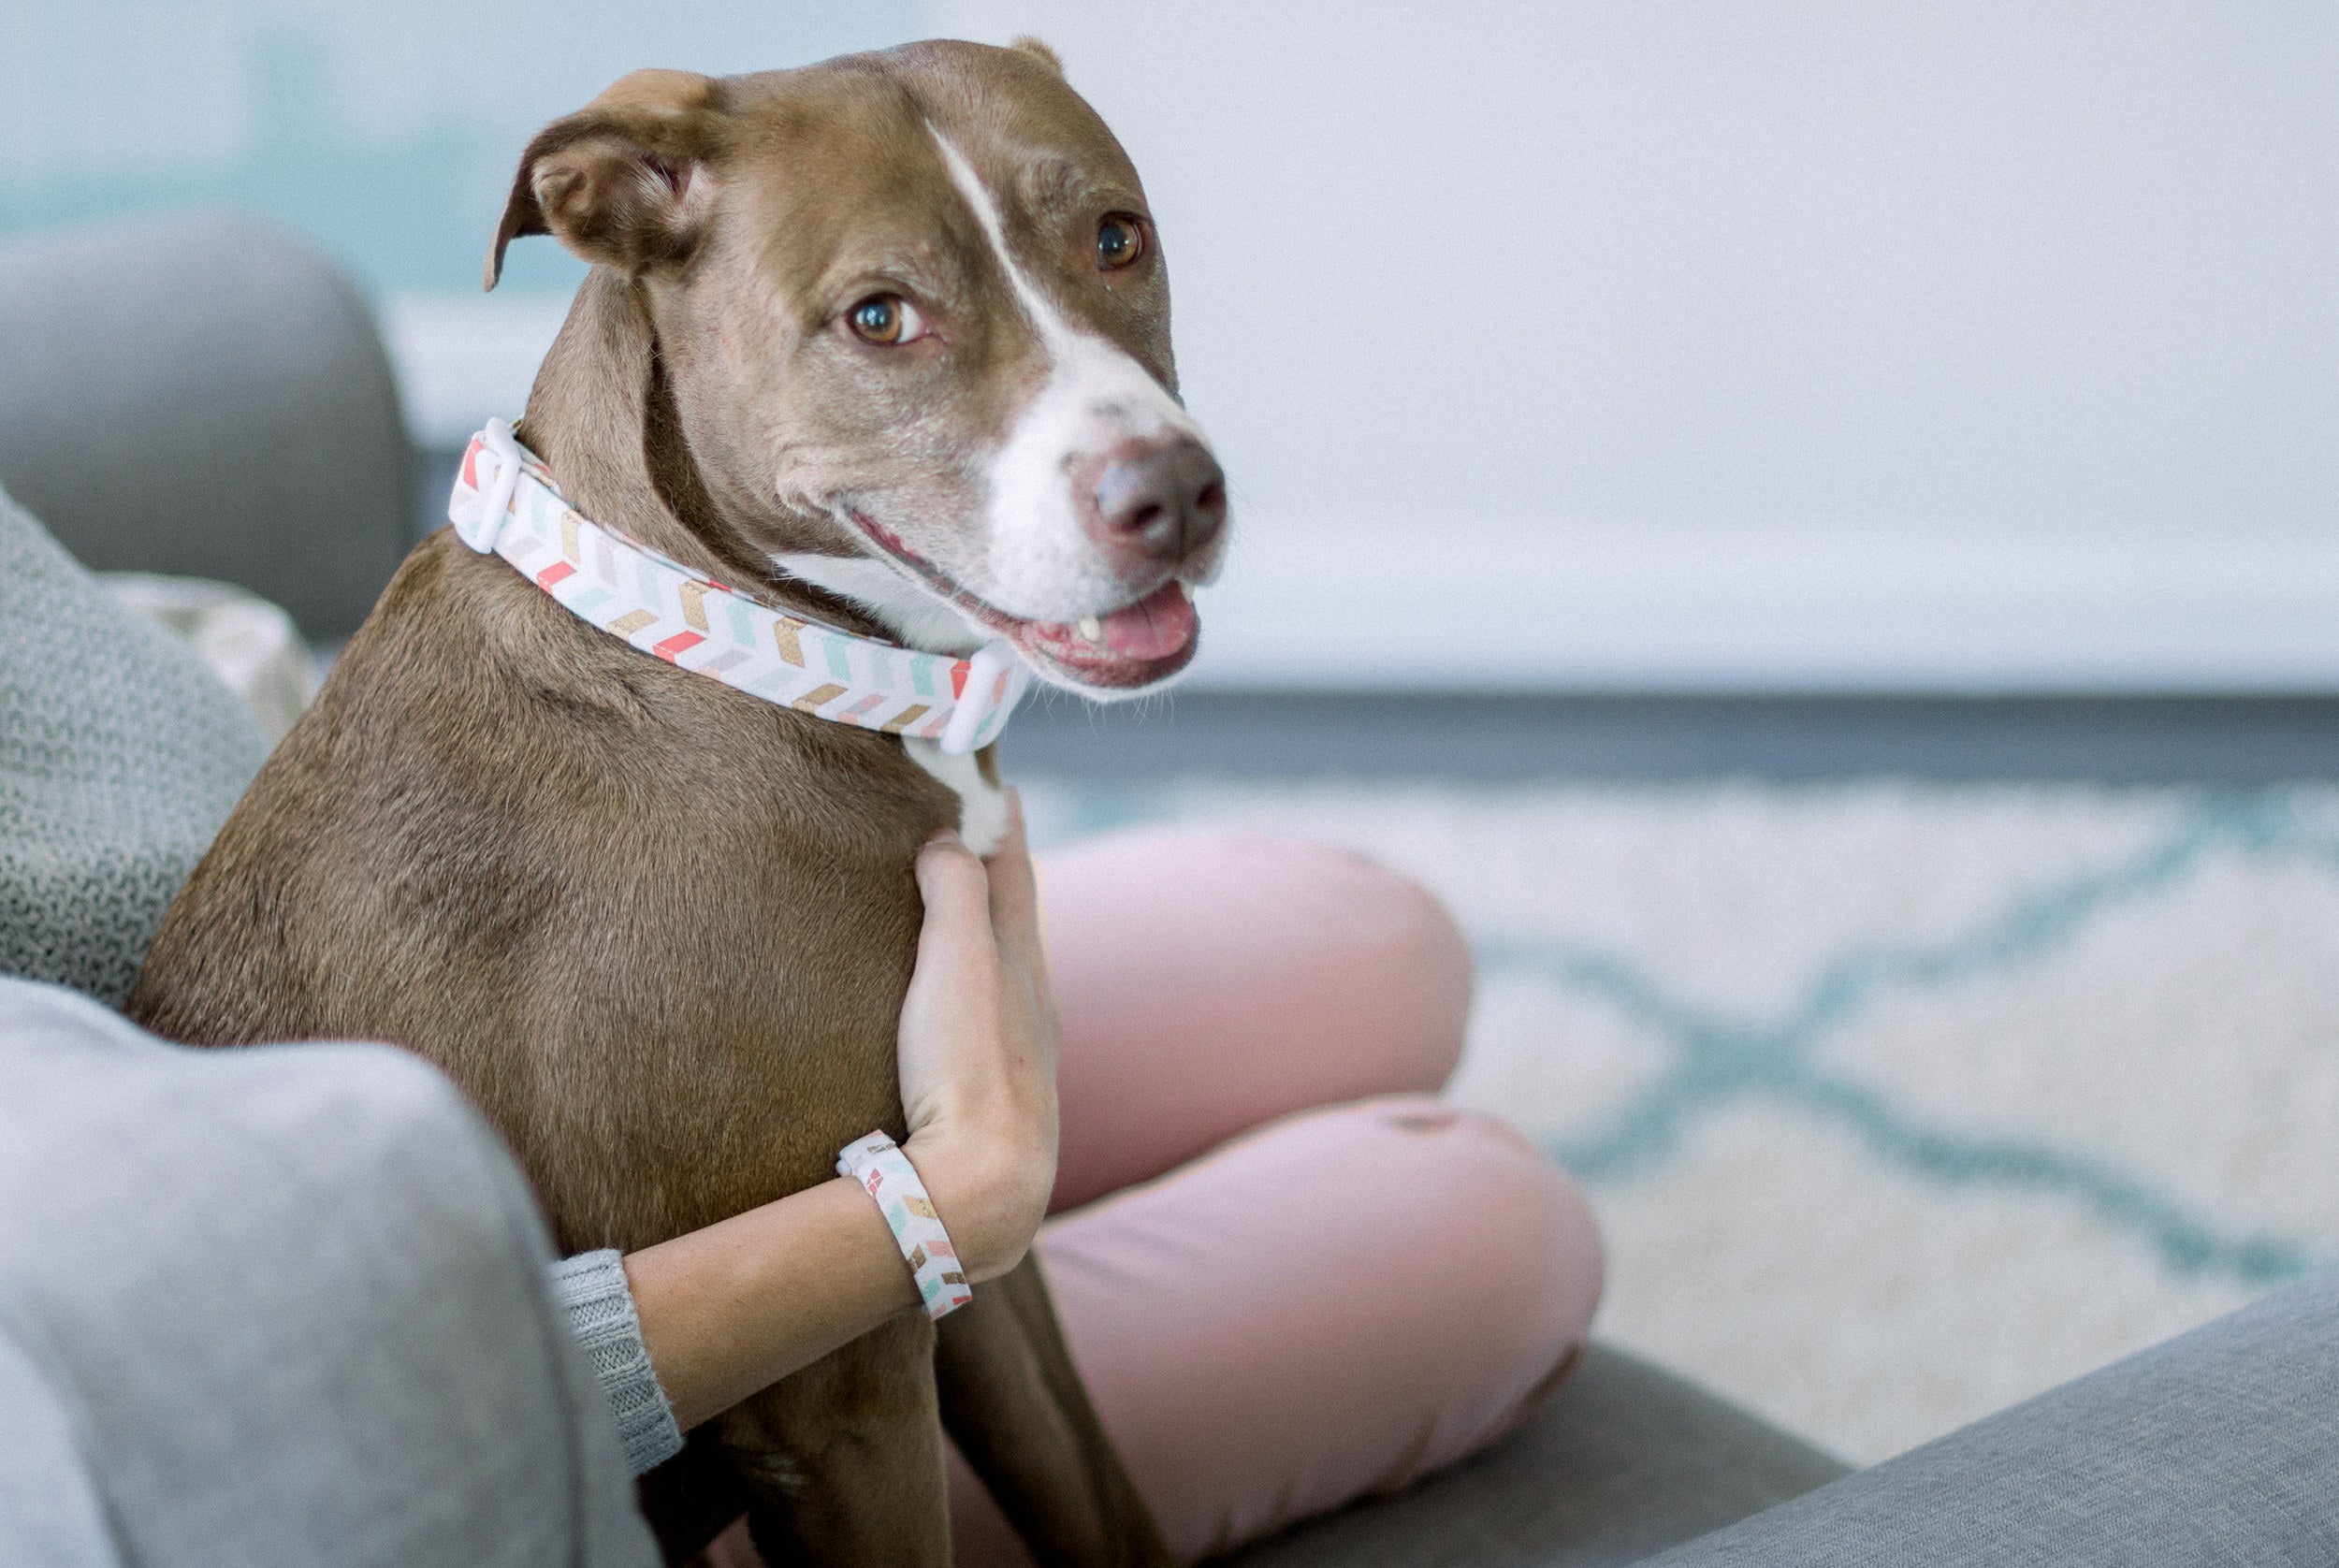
[981, 805]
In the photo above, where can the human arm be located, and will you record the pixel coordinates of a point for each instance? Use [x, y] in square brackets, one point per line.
[733, 1308]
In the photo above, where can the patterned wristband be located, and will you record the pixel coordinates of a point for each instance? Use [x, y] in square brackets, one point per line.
[886, 1174]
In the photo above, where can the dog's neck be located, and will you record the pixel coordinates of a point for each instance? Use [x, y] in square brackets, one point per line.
[602, 417]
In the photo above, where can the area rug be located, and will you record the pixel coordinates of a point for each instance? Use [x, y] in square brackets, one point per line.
[1897, 1103]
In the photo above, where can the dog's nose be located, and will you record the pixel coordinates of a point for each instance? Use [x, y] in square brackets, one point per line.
[1157, 500]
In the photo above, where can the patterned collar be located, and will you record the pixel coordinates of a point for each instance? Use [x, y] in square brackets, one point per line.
[505, 503]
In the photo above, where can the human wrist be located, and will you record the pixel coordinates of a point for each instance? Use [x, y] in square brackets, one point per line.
[990, 1187]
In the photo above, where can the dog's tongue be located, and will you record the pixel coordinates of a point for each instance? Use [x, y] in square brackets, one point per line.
[1155, 626]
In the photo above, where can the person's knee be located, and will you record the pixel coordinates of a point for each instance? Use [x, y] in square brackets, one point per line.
[1375, 931]
[1487, 1263]
[1334, 1305]
[1510, 1221]
[1489, 1246]
[1407, 924]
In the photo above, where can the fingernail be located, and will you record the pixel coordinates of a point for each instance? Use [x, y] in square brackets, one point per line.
[947, 838]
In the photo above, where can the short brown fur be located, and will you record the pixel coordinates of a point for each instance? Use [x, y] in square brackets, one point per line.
[659, 929]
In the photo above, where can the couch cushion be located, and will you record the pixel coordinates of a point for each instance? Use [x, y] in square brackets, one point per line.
[1623, 1461]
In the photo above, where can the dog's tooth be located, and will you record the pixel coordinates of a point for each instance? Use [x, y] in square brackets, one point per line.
[1092, 629]
[1185, 590]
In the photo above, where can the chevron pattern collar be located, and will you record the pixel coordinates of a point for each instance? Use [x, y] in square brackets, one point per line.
[505, 503]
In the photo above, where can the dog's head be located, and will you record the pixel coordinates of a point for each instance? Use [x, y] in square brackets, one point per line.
[913, 315]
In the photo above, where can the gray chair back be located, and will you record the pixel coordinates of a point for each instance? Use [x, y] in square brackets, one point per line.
[200, 396]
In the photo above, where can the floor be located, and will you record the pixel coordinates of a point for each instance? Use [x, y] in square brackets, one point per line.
[1490, 739]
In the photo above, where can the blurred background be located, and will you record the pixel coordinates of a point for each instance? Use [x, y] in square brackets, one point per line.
[1811, 524]
[1693, 346]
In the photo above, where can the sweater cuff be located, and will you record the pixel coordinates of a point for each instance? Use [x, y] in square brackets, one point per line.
[591, 1288]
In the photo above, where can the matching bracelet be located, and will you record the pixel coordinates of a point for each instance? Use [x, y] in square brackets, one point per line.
[885, 1173]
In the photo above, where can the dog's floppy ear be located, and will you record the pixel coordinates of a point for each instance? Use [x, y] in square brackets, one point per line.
[623, 180]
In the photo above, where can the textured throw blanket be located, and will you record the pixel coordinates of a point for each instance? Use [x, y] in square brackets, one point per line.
[120, 756]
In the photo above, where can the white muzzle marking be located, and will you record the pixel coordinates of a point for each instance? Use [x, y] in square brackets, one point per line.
[1043, 565]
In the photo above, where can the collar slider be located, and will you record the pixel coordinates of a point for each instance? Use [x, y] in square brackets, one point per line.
[492, 475]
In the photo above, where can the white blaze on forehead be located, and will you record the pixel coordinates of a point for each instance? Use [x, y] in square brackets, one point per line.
[1095, 396]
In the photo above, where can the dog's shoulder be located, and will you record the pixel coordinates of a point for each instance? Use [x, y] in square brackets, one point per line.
[472, 698]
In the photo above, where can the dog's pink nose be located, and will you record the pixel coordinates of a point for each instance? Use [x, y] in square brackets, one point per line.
[1156, 499]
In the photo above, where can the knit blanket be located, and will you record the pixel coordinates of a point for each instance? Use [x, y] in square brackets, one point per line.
[121, 754]
[1897, 1103]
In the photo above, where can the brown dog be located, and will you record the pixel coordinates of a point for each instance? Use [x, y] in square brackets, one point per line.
[886, 341]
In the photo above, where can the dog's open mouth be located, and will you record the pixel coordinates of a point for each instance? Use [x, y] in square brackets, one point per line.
[1140, 643]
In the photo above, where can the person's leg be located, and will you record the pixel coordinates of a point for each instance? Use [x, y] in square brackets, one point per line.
[1210, 982]
[1331, 1306]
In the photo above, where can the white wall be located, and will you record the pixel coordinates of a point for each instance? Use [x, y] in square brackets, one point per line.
[1648, 342]
[383, 131]
[1993, 344]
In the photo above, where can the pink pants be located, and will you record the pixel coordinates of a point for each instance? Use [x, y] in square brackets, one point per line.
[1279, 1307]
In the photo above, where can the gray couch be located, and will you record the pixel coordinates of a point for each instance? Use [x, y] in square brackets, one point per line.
[201, 396]
[195, 396]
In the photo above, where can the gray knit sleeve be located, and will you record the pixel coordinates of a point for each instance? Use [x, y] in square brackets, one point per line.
[592, 1288]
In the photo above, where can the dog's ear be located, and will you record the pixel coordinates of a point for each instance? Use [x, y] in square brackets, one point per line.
[622, 182]
[1039, 51]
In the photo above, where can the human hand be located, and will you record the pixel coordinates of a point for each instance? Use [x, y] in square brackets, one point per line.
[736, 1305]
[977, 1050]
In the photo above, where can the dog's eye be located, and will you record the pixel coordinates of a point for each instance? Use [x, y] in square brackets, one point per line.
[1120, 240]
[888, 319]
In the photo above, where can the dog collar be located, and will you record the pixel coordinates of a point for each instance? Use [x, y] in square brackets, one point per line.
[505, 503]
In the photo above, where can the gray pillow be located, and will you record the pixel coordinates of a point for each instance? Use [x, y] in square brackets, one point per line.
[197, 394]
[120, 756]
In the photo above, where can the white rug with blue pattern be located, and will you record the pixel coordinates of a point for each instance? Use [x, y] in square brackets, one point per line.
[1898, 1103]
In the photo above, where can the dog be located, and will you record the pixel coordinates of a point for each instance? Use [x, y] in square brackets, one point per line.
[884, 344]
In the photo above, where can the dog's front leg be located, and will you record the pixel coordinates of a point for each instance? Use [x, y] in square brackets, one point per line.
[842, 1461]
[1015, 1407]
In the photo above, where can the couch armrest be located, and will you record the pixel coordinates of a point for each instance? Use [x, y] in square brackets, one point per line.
[2215, 1447]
